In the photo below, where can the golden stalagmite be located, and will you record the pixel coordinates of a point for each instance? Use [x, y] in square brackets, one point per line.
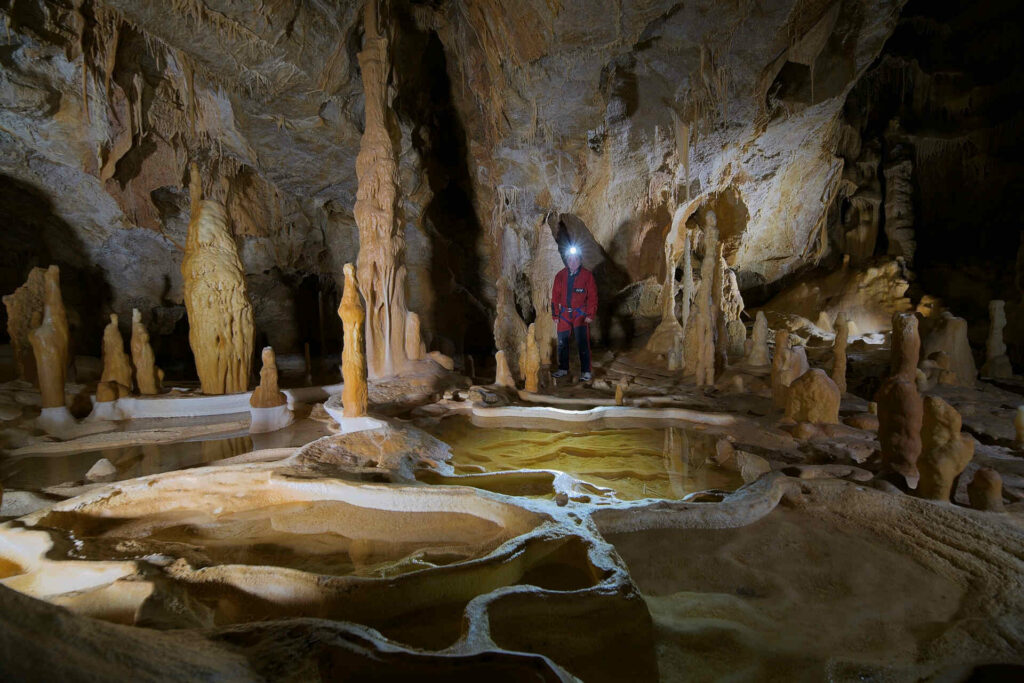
[353, 357]
[503, 375]
[220, 318]
[268, 394]
[147, 375]
[945, 452]
[23, 305]
[116, 366]
[381, 243]
[415, 349]
[838, 374]
[531, 376]
[50, 342]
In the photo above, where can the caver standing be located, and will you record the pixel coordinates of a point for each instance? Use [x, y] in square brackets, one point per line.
[573, 306]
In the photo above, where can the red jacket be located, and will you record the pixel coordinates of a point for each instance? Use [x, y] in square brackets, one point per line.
[582, 302]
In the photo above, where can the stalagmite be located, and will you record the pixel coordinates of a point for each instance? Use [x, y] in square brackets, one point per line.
[268, 404]
[997, 364]
[667, 339]
[148, 376]
[948, 334]
[503, 376]
[758, 355]
[620, 394]
[353, 357]
[986, 490]
[531, 376]
[788, 364]
[23, 305]
[220, 314]
[838, 374]
[49, 342]
[382, 273]
[116, 366]
[717, 303]
[900, 409]
[813, 397]
[415, 349]
[945, 452]
[707, 306]
[736, 333]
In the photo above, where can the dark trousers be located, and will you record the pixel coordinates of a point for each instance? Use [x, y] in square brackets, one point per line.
[582, 343]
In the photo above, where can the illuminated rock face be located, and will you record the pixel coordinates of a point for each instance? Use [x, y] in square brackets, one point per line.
[116, 366]
[219, 311]
[382, 273]
[49, 342]
[353, 356]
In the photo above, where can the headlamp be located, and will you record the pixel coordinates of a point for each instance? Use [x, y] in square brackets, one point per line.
[573, 250]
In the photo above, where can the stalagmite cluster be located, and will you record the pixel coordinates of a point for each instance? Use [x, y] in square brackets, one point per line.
[382, 273]
[148, 377]
[220, 315]
[49, 340]
[353, 356]
[900, 410]
[117, 369]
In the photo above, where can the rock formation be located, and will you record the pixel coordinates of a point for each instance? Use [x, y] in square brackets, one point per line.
[900, 409]
[758, 355]
[838, 374]
[382, 273]
[116, 366]
[986, 490]
[899, 209]
[787, 365]
[707, 308]
[945, 452]
[353, 357]
[667, 339]
[1018, 427]
[813, 397]
[24, 311]
[219, 311]
[148, 377]
[531, 376]
[997, 364]
[948, 334]
[736, 333]
[415, 349]
[503, 376]
[50, 341]
[267, 394]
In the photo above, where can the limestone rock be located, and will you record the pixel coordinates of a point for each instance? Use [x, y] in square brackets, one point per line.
[415, 349]
[446, 362]
[813, 397]
[758, 355]
[103, 470]
[986, 490]
[948, 334]
[945, 452]
[997, 364]
[116, 366]
[736, 332]
[267, 394]
[220, 315]
[503, 376]
[25, 304]
[707, 307]
[353, 358]
[838, 374]
[50, 341]
[148, 376]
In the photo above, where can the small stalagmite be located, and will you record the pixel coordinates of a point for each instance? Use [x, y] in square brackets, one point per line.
[503, 376]
[997, 364]
[268, 394]
[220, 316]
[842, 328]
[813, 397]
[117, 369]
[353, 356]
[900, 410]
[986, 490]
[758, 355]
[415, 349]
[23, 305]
[945, 452]
[532, 374]
[148, 376]
[50, 341]
[787, 365]
[736, 333]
